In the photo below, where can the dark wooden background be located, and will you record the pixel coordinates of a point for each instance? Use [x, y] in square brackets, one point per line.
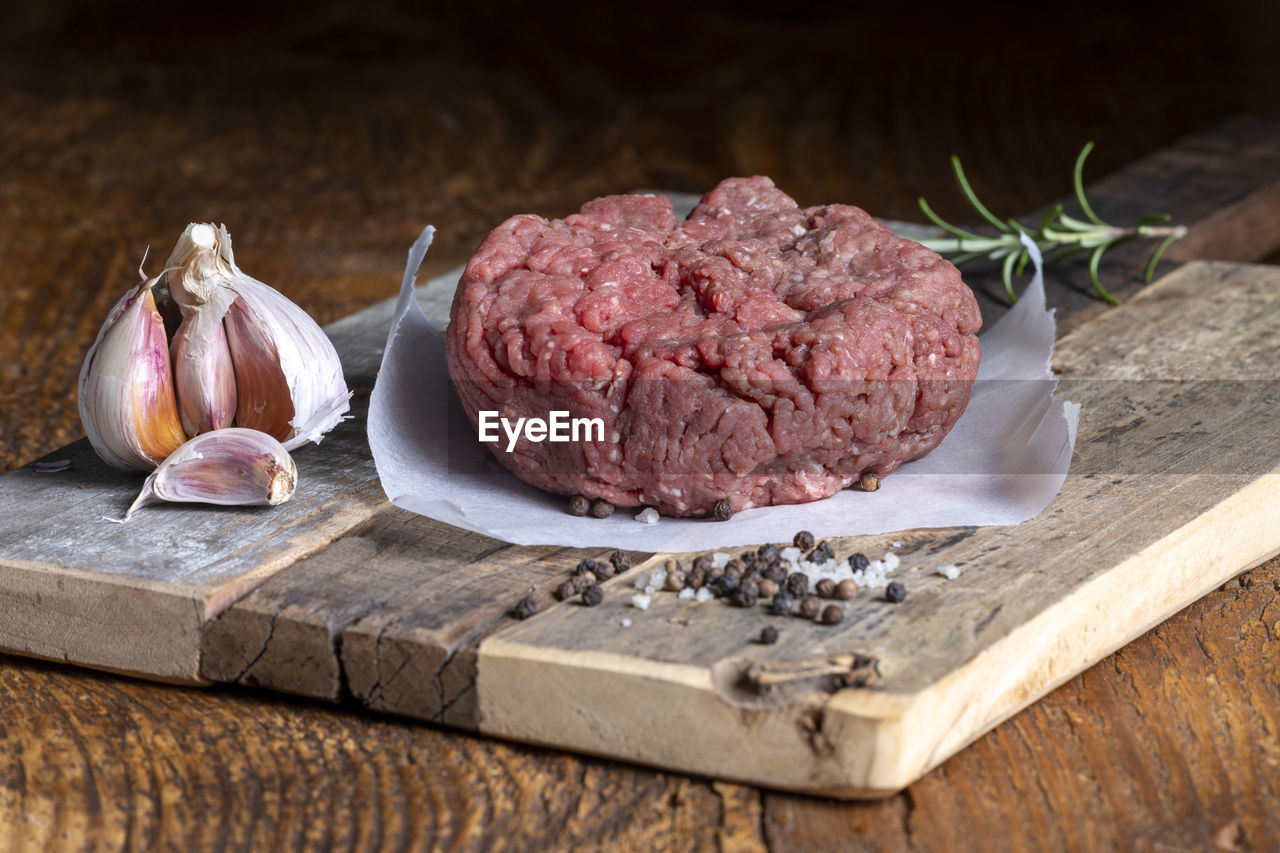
[326, 136]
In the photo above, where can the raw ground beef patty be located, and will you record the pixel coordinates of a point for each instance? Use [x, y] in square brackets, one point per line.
[757, 351]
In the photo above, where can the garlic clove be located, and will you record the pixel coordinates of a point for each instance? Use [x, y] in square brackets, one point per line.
[204, 378]
[125, 391]
[230, 467]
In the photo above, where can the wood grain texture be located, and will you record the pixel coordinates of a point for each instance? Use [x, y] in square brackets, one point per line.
[325, 136]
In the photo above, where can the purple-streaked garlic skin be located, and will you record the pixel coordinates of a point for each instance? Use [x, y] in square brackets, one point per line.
[204, 378]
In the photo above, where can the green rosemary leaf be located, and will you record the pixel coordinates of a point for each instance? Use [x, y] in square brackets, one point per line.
[1078, 180]
[1150, 271]
[1152, 219]
[1094, 258]
[1006, 272]
[973, 198]
[1076, 224]
[944, 224]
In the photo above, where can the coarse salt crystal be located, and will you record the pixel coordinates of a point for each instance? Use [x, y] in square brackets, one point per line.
[704, 594]
[641, 600]
[657, 579]
[626, 623]
[950, 571]
[648, 515]
[791, 553]
[688, 592]
[890, 561]
[642, 580]
[897, 543]
[720, 559]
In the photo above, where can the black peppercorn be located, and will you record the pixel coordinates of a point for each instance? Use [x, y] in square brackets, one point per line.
[525, 607]
[768, 589]
[603, 570]
[797, 584]
[592, 595]
[832, 614]
[822, 552]
[734, 565]
[846, 590]
[895, 592]
[585, 580]
[585, 566]
[803, 540]
[695, 578]
[620, 561]
[703, 562]
[601, 509]
[809, 606]
[825, 588]
[723, 510]
[775, 573]
[727, 583]
[859, 561]
[578, 505]
[769, 635]
[768, 553]
[746, 595]
[566, 590]
[675, 581]
[869, 482]
[782, 603]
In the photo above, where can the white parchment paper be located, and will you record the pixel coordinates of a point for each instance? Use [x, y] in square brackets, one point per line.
[1003, 462]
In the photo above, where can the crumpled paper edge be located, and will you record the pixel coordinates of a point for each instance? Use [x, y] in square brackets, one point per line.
[443, 472]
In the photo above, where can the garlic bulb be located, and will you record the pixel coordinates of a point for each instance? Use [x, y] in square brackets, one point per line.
[232, 467]
[242, 354]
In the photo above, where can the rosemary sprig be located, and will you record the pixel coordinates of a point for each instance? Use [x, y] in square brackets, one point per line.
[1058, 235]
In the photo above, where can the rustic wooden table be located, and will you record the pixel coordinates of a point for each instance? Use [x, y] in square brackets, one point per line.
[326, 137]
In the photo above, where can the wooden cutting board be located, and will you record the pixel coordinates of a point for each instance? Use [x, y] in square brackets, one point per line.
[1175, 488]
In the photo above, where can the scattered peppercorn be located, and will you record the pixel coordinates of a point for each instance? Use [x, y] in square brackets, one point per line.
[769, 635]
[797, 584]
[714, 572]
[675, 580]
[734, 565]
[696, 578]
[846, 590]
[601, 509]
[620, 560]
[869, 482]
[566, 590]
[803, 540]
[822, 552]
[525, 607]
[832, 614]
[585, 566]
[728, 582]
[723, 510]
[592, 595]
[768, 588]
[702, 561]
[746, 595]
[768, 553]
[775, 573]
[858, 561]
[825, 588]
[809, 606]
[578, 505]
[782, 603]
[603, 570]
[585, 580]
[895, 592]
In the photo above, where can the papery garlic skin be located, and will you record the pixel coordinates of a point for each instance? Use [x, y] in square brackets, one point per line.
[288, 378]
[230, 467]
[126, 390]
